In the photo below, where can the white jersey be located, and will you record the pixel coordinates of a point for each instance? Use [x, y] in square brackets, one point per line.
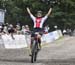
[38, 22]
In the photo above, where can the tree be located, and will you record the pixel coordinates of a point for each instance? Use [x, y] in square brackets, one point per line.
[63, 14]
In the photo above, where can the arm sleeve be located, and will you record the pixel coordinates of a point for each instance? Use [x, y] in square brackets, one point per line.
[44, 18]
[33, 17]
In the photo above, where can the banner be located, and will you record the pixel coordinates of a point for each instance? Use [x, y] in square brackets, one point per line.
[50, 37]
[60, 33]
[2, 15]
[18, 42]
[22, 41]
[56, 35]
[28, 39]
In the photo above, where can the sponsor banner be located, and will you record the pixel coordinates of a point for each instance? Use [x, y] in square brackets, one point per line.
[1, 40]
[2, 15]
[28, 39]
[22, 41]
[55, 35]
[47, 38]
[18, 42]
[60, 33]
[50, 37]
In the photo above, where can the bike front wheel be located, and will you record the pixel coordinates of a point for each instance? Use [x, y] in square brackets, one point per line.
[34, 51]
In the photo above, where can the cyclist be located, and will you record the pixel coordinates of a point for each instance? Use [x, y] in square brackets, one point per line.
[38, 22]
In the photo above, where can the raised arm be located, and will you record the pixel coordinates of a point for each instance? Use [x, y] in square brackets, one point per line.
[31, 15]
[49, 12]
[28, 10]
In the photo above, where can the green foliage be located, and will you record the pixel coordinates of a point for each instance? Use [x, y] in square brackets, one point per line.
[63, 13]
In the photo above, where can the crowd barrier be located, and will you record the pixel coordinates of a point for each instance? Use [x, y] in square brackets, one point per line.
[22, 41]
[52, 36]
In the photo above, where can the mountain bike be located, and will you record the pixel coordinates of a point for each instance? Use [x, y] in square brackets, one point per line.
[34, 48]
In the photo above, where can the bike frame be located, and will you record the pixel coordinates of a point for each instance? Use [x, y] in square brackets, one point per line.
[34, 48]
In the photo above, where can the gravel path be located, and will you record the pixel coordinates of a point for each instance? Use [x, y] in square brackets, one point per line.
[61, 52]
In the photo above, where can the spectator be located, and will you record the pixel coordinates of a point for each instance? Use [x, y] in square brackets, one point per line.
[11, 30]
[18, 29]
[46, 29]
[64, 31]
[27, 27]
[27, 34]
[23, 30]
[5, 30]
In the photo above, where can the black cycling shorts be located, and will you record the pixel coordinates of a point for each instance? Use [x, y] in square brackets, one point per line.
[40, 30]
